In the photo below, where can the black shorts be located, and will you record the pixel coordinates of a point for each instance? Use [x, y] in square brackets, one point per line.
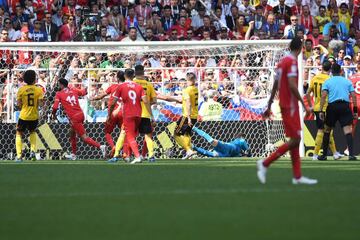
[319, 122]
[145, 126]
[30, 125]
[182, 127]
[338, 111]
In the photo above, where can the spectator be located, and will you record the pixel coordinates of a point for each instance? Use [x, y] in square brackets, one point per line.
[143, 10]
[190, 35]
[155, 24]
[24, 57]
[315, 36]
[167, 20]
[291, 30]
[344, 15]
[133, 36]
[150, 35]
[197, 20]
[267, 9]
[67, 31]
[307, 20]
[315, 7]
[111, 61]
[69, 8]
[217, 21]
[155, 7]
[181, 27]
[297, 9]
[58, 17]
[258, 18]
[308, 47]
[50, 28]
[270, 27]
[124, 8]
[206, 27]
[116, 20]
[340, 26]
[282, 13]
[232, 19]
[175, 9]
[131, 19]
[224, 34]
[246, 9]
[174, 35]
[37, 34]
[322, 19]
[340, 58]
[111, 31]
[241, 28]
[19, 17]
[103, 35]
[349, 67]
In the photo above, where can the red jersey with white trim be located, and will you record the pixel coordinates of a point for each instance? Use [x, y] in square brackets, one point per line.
[111, 92]
[69, 99]
[287, 67]
[131, 94]
[355, 79]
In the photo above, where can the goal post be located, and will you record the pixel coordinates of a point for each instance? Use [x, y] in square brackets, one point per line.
[236, 76]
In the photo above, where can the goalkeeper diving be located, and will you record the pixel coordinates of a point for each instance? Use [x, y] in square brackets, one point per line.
[236, 148]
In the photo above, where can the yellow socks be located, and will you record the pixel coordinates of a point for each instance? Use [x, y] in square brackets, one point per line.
[150, 145]
[181, 141]
[318, 141]
[119, 143]
[18, 144]
[187, 140]
[332, 143]
[33, 141]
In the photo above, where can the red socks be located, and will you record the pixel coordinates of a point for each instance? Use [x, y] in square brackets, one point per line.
[73, 144]
[109, 140]
[275, 155]
[296, 163]
[91, 142]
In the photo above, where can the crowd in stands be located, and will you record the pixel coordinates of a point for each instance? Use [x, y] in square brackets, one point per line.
[330, 30]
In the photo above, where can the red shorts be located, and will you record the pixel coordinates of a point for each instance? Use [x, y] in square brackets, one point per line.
[131, 126]
[291, 119]
[115, 120]
[77, 124]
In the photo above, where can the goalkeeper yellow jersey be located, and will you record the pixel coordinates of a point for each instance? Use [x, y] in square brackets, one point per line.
[192, 94]
[29, 95]
[315, 85]
[150, 93]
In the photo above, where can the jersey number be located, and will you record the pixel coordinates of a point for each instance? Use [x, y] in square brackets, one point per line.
[71, 100]
[357, 87]
[132, 96]
[31, 99]
[317, 91]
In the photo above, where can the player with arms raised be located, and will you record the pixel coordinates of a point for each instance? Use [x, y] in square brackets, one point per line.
[68, 98]
[29, 98]
[117, 117]
[286, 82]
[131, 94]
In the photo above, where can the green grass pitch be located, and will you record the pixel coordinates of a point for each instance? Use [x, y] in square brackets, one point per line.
[174, 199]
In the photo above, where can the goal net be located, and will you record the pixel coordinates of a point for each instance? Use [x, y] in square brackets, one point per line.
[234, 79]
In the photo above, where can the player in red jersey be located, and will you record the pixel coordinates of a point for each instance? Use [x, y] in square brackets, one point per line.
[68, 98]
[355, 79]
[117, 115]
[131, 94]
[286, 82]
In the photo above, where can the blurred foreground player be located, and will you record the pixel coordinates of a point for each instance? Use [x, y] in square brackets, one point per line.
[29, 98]
[286, 82]
[68, 98]
[236, 148]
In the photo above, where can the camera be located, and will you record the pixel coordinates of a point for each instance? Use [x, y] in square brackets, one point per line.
[90, 27]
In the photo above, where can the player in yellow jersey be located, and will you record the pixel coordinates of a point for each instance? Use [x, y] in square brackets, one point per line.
[315, 87]
[146, 125]
[189, 117]
[29, 98]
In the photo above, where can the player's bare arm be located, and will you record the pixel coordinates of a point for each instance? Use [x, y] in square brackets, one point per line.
[271, 99]
[355, 107]
[324, 94]
[308, 96]
[170, 98]
[294, 90]
[98, 97]
[112, 107]
[19, 104]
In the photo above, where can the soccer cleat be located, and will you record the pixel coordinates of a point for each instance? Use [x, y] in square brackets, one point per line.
[189, 154]
[32, 156]
[152, 159]
[304, 180]
[136, 160]
[315, 157]
[103, 150]
[261, 171]
[322, 158]
[18, 160]
[70, 156]
[337, 156]
[346, 152]
[113, 160]
[352, 158]
[127, 159]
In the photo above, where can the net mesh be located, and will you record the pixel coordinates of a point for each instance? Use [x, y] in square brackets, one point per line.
[234, 81]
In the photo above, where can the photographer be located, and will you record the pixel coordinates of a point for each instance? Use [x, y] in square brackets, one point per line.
[88, 29]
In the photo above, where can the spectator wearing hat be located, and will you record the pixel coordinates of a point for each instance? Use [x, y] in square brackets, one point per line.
[322, 18]
[24, 57]
[349, 67]
[37, 34]
[344, 15]
[340, 26]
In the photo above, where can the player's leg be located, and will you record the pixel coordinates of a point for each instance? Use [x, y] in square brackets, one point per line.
[20, 127]
[182, 129]
[119, 143]
[203, 134]
[346, 120]
[109, 128]
[131, 129]
[32, 127]
[319, 135]
[146, 128]
[330, 119]
[205, 152]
